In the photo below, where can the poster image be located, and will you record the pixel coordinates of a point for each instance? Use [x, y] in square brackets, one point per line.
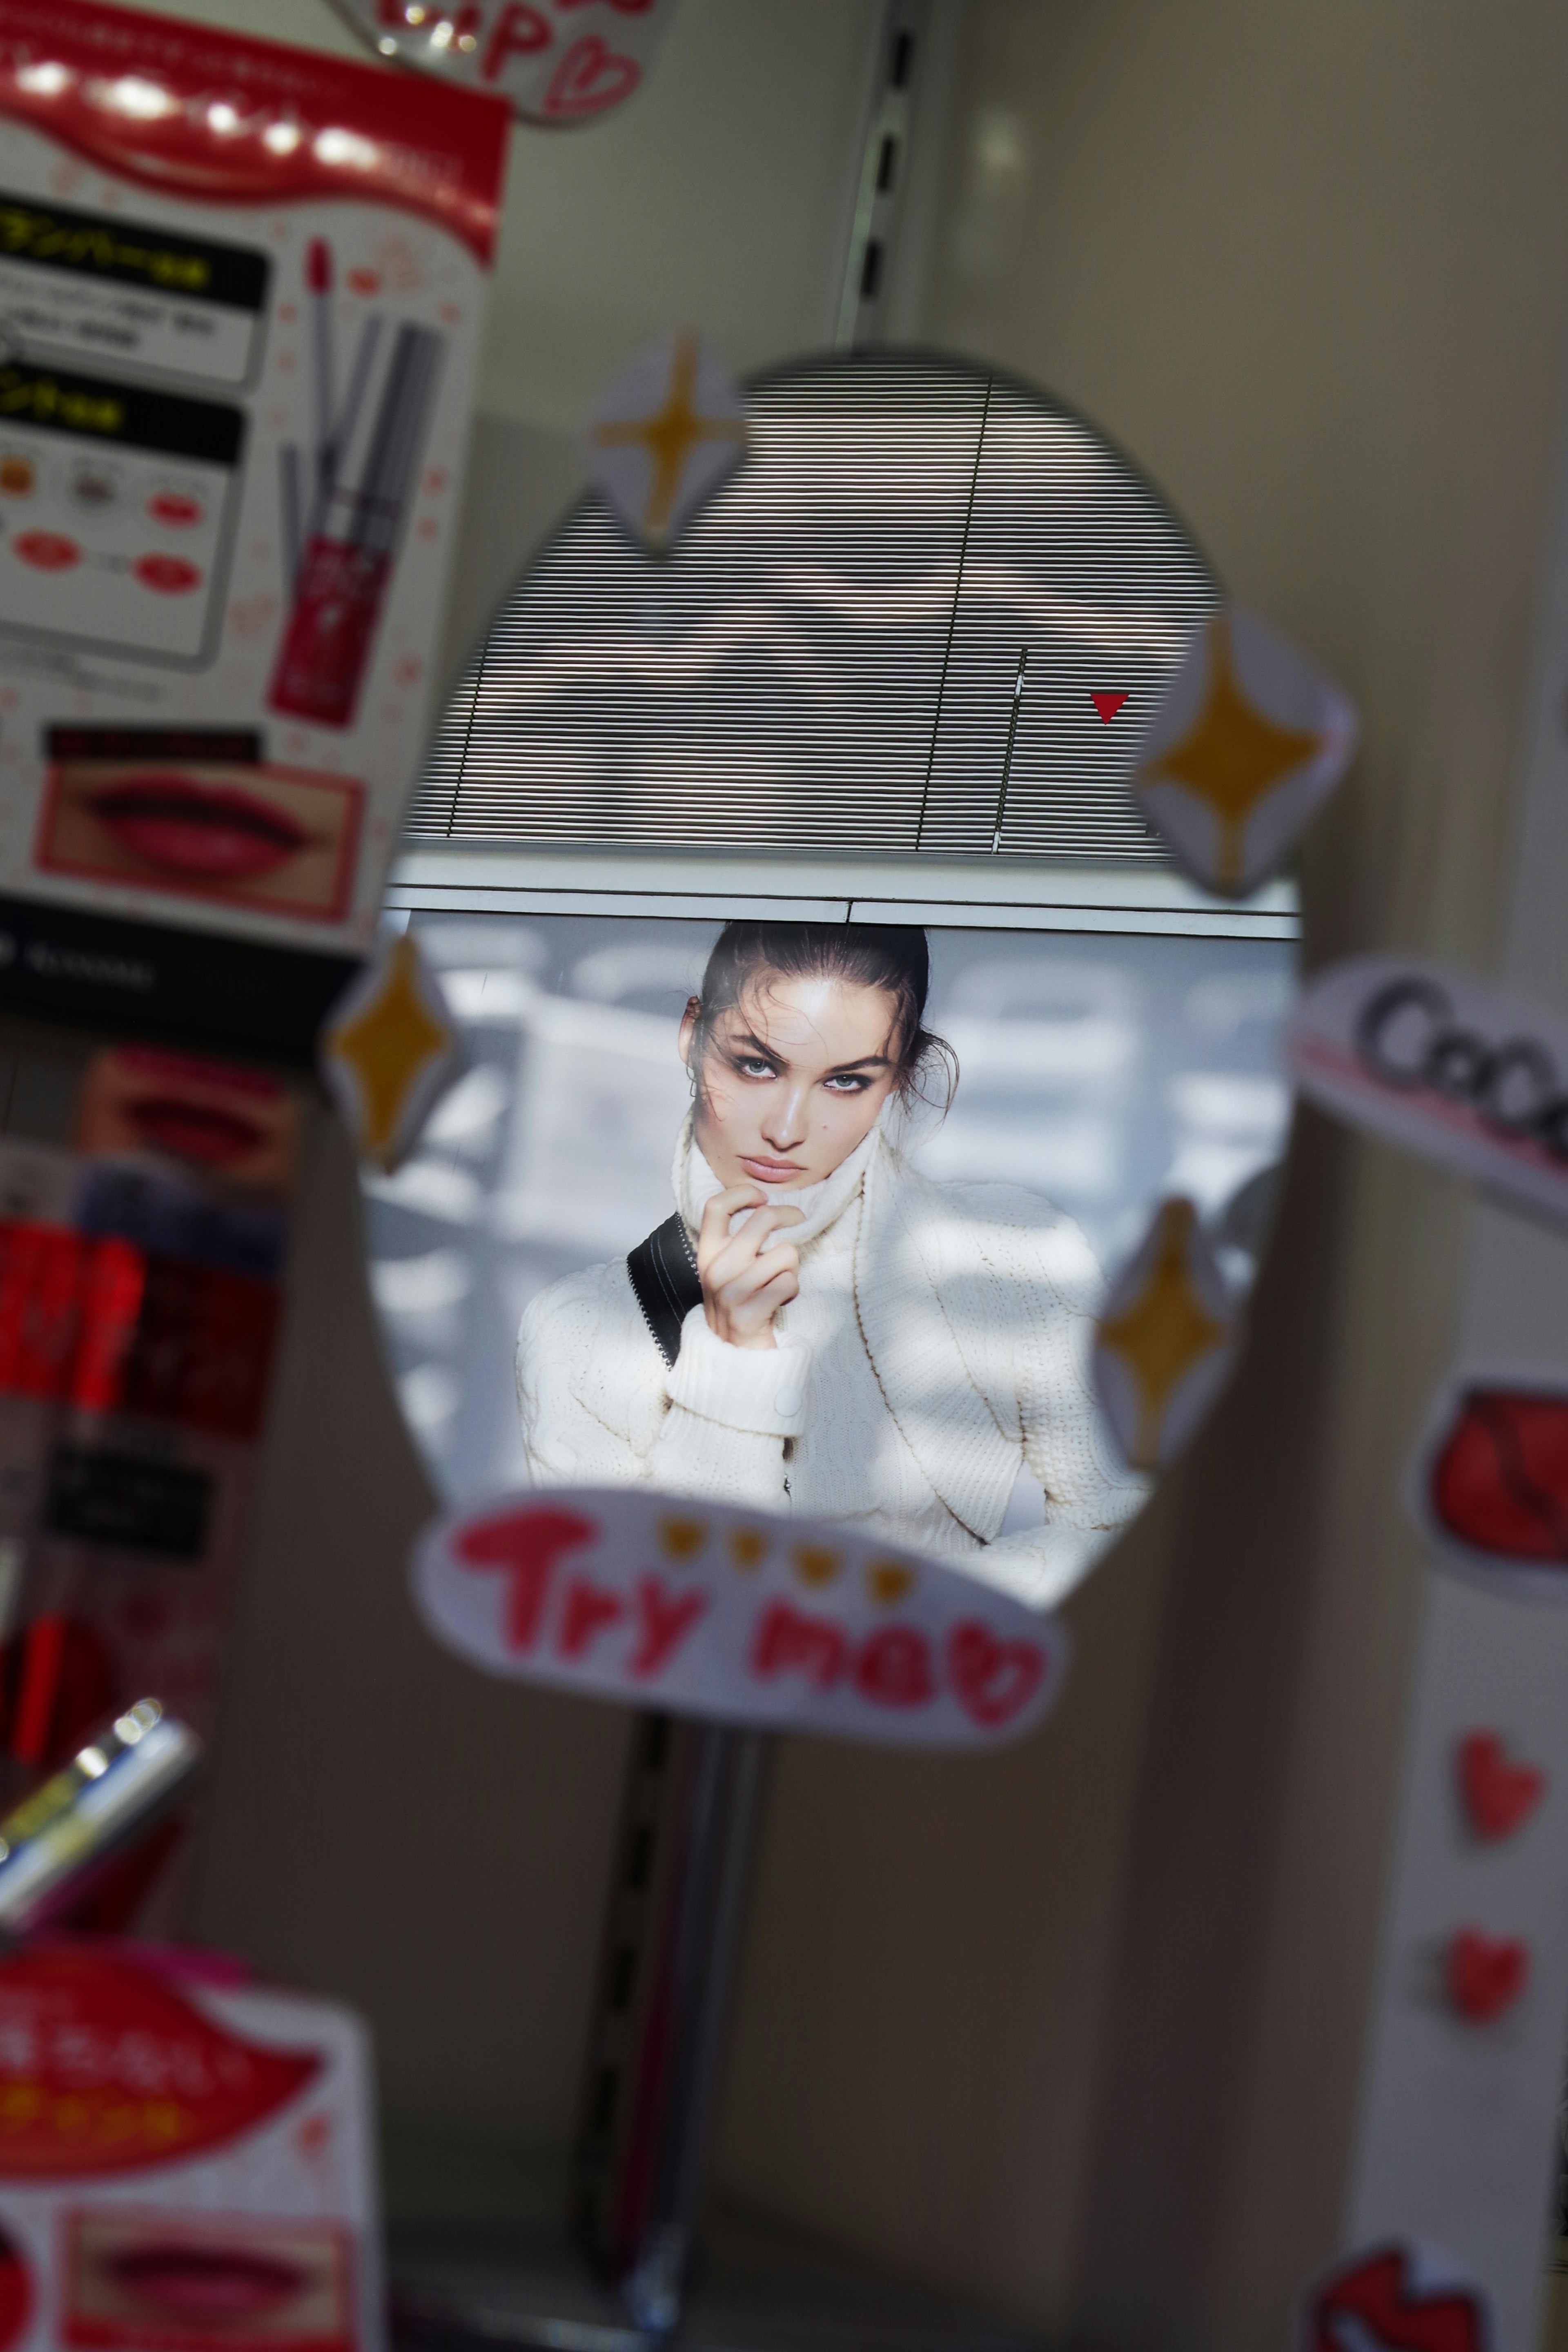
[815, 1218]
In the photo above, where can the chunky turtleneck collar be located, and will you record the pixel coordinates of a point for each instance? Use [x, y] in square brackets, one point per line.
[695, 1185]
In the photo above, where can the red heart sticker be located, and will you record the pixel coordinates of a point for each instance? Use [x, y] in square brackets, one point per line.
[1374, 2303]
[1498, 1794]
[590, 79]
[1485, 1974]
[992, 1681]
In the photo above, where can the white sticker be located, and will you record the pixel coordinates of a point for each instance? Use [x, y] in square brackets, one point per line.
[560, 62]
[1165, 1341]
[737, 1615]
[664, 435]
[1461, 1073]
[390, 1051]
[1247, 742]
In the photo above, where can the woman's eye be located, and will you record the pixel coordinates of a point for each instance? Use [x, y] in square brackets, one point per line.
[853, 1082]
[751, 1068]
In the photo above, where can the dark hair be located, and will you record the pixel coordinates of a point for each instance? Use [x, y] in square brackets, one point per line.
[893, 958]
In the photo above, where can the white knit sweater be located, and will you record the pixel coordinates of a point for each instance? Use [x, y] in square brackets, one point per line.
[939, 1344]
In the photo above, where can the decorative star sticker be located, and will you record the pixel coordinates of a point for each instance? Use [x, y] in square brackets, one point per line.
[664, 435]
[1165, 1317]
[1231, 783]
[389, 1052]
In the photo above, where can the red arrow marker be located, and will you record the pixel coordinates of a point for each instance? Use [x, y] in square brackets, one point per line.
[1107, 704]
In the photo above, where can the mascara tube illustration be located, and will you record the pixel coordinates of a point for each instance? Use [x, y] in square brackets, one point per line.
[346, 564]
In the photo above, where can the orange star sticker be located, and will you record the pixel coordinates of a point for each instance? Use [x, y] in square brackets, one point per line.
[670, 435]
[1165, 1332]
[1233, 755]
[388, 1045]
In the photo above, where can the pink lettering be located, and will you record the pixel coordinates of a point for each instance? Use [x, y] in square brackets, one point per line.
[525, 1545]
[586, 1611]
[789, 1642]
[894, 1668]
[992, 1681]
[665, 1619]
[520, 31]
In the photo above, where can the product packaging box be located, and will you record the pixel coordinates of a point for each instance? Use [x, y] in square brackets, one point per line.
[185, 2163]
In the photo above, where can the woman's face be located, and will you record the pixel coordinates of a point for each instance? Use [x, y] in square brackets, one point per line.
[793, 1077]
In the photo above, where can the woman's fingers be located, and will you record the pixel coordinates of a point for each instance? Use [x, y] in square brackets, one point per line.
[757, 1274]
[714, 1230]
[729, 1252]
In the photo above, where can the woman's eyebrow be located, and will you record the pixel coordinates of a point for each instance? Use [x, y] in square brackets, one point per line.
[864, 1062]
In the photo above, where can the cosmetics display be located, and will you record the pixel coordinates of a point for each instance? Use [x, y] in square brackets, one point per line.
[236, 370]
[185, 2161]
[139, 1297]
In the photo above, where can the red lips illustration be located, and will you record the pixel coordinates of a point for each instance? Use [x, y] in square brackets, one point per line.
[203, 833]
[213, 2282]
[1372, 2300]
[205, 1132]
[1499, 1481]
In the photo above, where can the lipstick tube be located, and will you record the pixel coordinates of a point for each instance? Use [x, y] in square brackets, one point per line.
[347, 563]
[115, 1786]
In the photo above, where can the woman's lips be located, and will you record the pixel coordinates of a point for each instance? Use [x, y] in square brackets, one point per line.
[206, 833]
[191, 1130]
[204, 2282]
[772, 1171]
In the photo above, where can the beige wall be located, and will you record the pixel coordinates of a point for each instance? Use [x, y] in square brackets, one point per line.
[1311, 265]
[1074, 2027]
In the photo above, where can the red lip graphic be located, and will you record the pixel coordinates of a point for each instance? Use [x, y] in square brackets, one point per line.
[1500, 1481]
[190, 1130]
[171, 575]
[212, 2283]
[1376, 2294]
[203, 833]
[47, 550]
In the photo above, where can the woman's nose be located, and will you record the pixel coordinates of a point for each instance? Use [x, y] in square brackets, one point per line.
[784, 1125]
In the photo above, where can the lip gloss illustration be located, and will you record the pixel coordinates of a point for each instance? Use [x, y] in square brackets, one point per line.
[370, 469]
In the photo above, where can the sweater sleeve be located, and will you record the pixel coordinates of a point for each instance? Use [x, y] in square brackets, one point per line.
[1089, 1494]
[564, 1441]
[731, 1411]
[598, 1407]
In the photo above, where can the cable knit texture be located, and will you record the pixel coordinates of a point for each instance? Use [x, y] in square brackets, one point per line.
[939, 1342]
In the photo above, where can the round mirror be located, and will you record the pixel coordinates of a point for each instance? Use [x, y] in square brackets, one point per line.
[802, 859]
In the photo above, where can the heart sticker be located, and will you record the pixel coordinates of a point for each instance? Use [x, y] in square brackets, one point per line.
[590, 79]
[1485, 1975]
[992, 1679]
[1498, 1795]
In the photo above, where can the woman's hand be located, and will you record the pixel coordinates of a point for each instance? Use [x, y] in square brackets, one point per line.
[744, 1283]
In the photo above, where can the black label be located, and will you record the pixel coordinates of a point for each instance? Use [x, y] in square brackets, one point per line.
[126, 1502]
[242, 745]
[118, 414]
[160, 259]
